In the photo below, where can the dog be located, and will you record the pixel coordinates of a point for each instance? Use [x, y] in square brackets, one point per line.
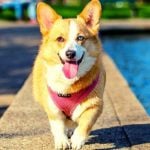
[68, 75]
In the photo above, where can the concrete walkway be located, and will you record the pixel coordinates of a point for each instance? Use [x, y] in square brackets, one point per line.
[123, 124]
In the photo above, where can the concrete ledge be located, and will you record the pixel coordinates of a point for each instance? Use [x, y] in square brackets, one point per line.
[125, 24]
[123, 124]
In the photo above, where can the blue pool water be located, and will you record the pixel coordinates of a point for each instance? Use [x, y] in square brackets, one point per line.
[132, 56]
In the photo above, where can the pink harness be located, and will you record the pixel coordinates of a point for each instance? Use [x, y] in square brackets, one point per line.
[67, 103]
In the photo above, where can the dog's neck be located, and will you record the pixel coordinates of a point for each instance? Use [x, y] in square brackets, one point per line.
[62, 86]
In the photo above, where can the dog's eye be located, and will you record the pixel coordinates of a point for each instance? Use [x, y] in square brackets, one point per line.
[80, 38]
[60, 39]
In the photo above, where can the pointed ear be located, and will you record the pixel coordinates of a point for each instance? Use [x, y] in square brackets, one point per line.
[91, 15]
[46, 17]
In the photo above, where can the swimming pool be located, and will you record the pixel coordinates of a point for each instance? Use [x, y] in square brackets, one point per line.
[131, 53]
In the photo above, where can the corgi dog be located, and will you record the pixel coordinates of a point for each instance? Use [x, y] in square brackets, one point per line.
[68, 75]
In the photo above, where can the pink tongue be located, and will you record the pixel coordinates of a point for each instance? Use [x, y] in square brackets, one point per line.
[70, 70]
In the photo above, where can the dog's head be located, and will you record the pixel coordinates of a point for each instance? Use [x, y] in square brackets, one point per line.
[70, 46]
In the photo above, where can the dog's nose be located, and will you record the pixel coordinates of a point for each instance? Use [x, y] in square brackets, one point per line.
[70, 54]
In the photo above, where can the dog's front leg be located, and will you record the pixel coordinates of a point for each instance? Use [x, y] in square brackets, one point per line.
[85, 123]
[58, 131]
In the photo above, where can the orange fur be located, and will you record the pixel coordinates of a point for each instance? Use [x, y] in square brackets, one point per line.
[52, 27]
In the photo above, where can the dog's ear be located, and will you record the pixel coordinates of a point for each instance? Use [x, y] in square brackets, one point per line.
[91, 15]
[46, 17]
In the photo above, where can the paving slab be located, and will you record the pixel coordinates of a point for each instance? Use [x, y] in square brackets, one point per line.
[122, 125]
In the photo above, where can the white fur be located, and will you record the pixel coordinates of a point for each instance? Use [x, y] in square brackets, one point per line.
[53, 107]
[60, 138]
[86, 65]
[81, 108]
[72, 44]
[53, 76]
[77, 112]
[77, 140]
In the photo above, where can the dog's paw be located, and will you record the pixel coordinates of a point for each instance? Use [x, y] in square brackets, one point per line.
[77, 141]
[62, 143]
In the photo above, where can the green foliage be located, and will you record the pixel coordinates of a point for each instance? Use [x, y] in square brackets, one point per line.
[68, 11]
[7, 14]
[110, 11]
[143, 11]
[117, 13]
[117, 10]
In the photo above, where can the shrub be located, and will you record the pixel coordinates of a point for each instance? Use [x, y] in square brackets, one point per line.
[7, 14]
[117, 10]
[144, 11]
[68, 11]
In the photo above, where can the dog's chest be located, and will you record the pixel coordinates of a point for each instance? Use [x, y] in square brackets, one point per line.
[68, 102]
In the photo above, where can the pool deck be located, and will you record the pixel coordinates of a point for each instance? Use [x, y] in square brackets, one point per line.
[123, 124]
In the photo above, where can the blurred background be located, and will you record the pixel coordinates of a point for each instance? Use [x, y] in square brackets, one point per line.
[24, 9]
[125, 35]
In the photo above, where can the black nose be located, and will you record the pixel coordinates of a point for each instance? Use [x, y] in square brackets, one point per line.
[70, 54]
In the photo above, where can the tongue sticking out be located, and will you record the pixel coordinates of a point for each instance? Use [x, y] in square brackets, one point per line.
[70, 70]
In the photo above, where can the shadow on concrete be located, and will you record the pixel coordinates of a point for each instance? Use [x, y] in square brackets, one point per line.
[18, 46]
[135, 135]
[2, 110]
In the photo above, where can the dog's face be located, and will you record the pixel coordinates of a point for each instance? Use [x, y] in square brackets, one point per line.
[70, 47]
